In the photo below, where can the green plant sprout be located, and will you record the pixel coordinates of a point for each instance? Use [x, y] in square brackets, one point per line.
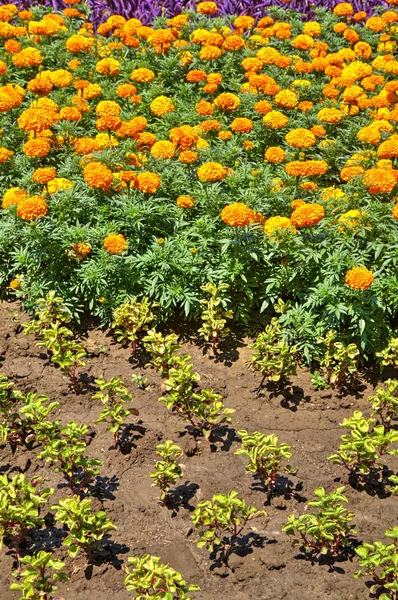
[131, 318]
[273, 357]
[326, 531]
[162, 350]
[385, 403]
[141, 382]
[114, 395]
[20, 502]
[167, 470]
[214, 316]
[221, 521]
[266, 457]
[50, 310]
[67, 451]
[380, 561]
[149, 579]
[339, 361]
[363, 447]
[35, 582]
[86, 529]
[389, 356]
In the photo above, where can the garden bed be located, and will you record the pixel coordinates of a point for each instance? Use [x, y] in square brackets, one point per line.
[269, 567]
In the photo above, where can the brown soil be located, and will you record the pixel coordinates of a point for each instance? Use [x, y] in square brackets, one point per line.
[268, 569]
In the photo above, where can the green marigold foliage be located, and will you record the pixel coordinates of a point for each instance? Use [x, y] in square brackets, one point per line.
[380, 561]
[328, 529]
[148, 578]
[86, 528]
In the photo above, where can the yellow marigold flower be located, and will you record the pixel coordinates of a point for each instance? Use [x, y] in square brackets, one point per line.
[115, 243]
[58, 185]
[97, 175]
[14, 284]
[36, 119]
[241, 125]
[185, 202]
[44, 174]
[212, 171]
[148, 182]
[207, 8]
[343, 9]
[275, 120]
[225, 135]
[188, 157]
[300, 138]
[307, 215]
[79, 43]
[350, 220]
[237, 214]
[13, 196]
[286, 99]
[81, 250]
[395, 212]
[332, 193]
[38, 147]
[330, 115]
[33, 207]
[108, 108]
[359, 278]
[274, 225]
[303, 42]
[108, 66]
[161, 106]
[163, 149]
[160, 241]
[275, 154]
[248, 145]
[227, 101]
[142, 75]
[306, 168]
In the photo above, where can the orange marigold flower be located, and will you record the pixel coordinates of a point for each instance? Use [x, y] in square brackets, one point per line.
[309, 186]
[303, 42]
[263, 107]
[389, 148]
[163, 149]
[142, 75]
[243, 22]
[85, 145]
[211, 125]
[344, 9]
[300, 138]
[207, 8]
[5, 154]
[33, 207]
[27, 57]
[227, 101]
[307, 215]
[275, 154]
[212, 171]
[148, 182]
[330, 115]
[225, 135]
[161, 106]
[13, 196]
[380, 181]
[233, 43]
[81, 250]
[97, 175]
[185, 202]
[359, 278]
[275, 120]
[277, 224]
[36, 119]
[108, 66]
[238, 214]
[204, 108]
[286, 99]
[242, 125]
[376, 24]
[44, 174]
[196, 75]
[305, 105]
[306, 168]
[349, 173]
[79, 43]
[38, 147]
[184, 136]
[70, 113]
[210, 53]
[188, 157]
[296, 203]
[126, 90]
[115, 243]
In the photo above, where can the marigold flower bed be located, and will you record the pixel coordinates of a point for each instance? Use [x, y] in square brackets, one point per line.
[148, 160]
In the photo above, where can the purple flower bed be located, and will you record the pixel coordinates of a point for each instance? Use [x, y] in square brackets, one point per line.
[147, 10]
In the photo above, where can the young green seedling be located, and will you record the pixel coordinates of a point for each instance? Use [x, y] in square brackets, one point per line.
[167, 470]
[363, 447]
[380, 561]
[149, 579]
[51, 309]
[339, 361]
[67, 451]
[114, 395]
[132, 317]
[36, 582]
[385, 403]
[86, 529]
[221, 521]
[214, 316]
[273, 357]
[327, 531]
[20, 502]
[389, 356]
[266, 457]
[162, 350]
